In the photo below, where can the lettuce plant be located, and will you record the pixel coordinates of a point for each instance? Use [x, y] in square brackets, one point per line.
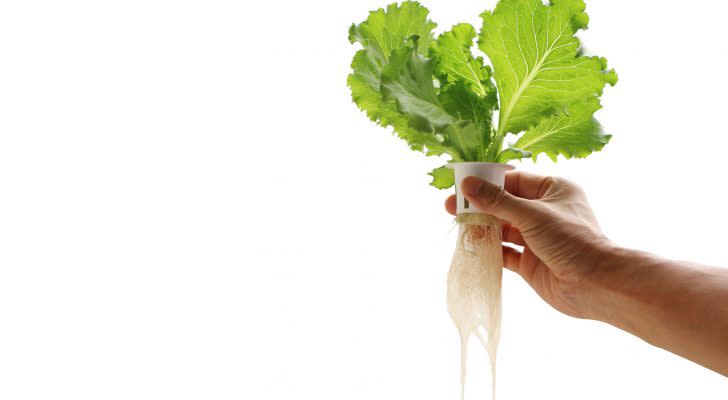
[440, 98]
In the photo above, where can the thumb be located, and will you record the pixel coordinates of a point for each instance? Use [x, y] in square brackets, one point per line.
[495, 201]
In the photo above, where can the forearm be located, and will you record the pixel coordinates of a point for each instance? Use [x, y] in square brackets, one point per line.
[678, 306]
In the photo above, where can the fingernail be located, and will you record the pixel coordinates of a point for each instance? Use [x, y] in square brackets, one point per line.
[471, 185]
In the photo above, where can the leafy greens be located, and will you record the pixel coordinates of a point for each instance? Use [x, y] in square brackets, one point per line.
[441, 99]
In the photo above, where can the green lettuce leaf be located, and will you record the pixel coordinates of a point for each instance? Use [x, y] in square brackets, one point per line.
[574, 133]
[457, 64]
[442, 177]
[468, 106]
[460, 101]
[536, 60]
[513, 153]
[387, 30]
[408, 80]
[440, 98]
[383, 32]
[467, 139]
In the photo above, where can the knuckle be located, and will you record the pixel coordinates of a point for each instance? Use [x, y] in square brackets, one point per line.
[498, 197]
[572, 186]
[547, 183]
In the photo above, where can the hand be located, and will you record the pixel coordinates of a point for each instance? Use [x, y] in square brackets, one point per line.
[561, 239]
[675, 305]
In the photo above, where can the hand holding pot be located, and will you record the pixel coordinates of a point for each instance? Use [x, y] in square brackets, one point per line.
[676, 305]
[552, 219]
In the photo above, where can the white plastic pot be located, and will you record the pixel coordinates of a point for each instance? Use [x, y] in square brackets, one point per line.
[494, 173]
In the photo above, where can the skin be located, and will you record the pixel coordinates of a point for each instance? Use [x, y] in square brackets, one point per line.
[679, 306]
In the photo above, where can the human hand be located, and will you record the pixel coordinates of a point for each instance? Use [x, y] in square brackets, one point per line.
[552, 220]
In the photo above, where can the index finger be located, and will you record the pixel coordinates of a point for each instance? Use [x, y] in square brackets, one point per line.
[450, 205]
[527, 185]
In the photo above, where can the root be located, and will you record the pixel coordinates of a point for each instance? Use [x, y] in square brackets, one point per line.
[474, 285]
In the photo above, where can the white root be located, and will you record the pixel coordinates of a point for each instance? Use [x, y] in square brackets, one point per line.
[474, 287]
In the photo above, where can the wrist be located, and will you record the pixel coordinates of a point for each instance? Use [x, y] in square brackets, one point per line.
[612, 280]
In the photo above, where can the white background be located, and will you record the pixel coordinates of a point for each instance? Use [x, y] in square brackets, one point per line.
[192, 208]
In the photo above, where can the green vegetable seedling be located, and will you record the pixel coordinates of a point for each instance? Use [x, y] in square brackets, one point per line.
[441, 98]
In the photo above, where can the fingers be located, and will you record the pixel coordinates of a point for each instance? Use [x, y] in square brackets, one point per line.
[495, 201]
[512, 235]
[520, 184]
[509, 233]
[511, 258]
[527, 185]
[451, 205]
